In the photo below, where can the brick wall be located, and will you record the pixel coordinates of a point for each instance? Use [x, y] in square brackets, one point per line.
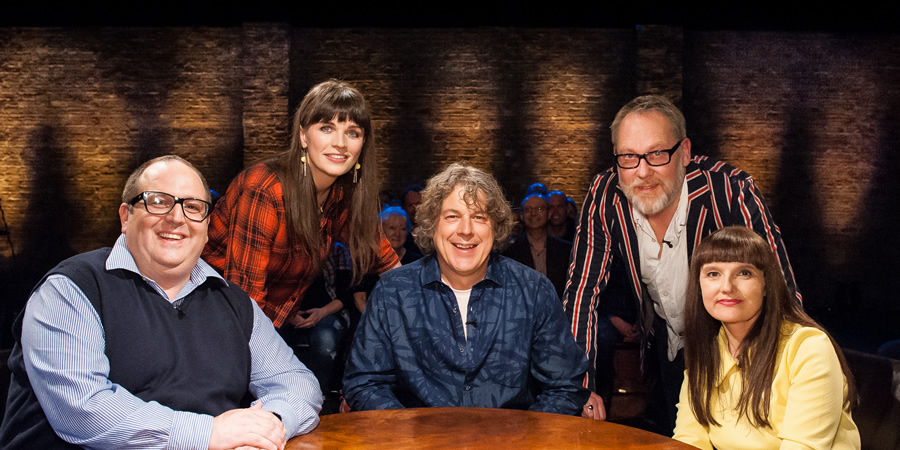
[813, 117]
[810, 115]
[528, 105]
[80, 109]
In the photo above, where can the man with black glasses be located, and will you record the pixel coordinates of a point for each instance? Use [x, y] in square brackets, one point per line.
[649, 212]
[144, 345]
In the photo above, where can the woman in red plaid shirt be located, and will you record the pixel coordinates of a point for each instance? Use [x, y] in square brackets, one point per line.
[278, 220]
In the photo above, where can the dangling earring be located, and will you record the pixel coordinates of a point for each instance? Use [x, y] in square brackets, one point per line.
[303, 160]
[355, 170]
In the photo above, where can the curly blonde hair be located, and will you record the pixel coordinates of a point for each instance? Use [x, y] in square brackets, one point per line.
[473, 181]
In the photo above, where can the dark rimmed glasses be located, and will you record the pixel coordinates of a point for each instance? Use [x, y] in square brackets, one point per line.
[160, 203]
[655, 158]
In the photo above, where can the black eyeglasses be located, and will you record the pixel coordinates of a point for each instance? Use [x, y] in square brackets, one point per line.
[657, 158]
[160, 203]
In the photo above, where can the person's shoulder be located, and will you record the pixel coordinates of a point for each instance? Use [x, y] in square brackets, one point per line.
[802, 343]
[405, 275]
[517, 245]
[553, 240]
[704, 164]
[515, 271]
[92, 260]
[603, 178]
[259, 174]
[257, 184]
[797, 335]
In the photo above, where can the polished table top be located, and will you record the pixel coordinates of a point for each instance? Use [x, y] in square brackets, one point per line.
[474, 428]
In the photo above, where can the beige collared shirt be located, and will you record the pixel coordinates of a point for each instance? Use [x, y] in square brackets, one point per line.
[666, 273]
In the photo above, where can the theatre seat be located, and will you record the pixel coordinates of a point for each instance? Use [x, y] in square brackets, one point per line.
[878, 386]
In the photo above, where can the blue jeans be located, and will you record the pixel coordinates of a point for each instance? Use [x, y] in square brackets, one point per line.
[606, 338]
[321, 348]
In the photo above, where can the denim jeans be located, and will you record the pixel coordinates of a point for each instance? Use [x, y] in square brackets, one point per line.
[321, 348]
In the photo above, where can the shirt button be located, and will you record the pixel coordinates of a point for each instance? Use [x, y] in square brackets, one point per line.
[454, 310]
[462, 349]
[468, 388]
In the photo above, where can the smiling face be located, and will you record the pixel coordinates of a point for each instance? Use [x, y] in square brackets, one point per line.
[535, 212]
[165, 247]
[733, 294]
[332, 149]
[652, 190]
[463, 238]
[394, 227]
[558, 209]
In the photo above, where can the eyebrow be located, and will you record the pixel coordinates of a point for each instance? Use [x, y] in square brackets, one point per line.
[653, 148]
[741, 264]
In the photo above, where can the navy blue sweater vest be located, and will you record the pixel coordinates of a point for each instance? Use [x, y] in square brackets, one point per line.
[195, 358]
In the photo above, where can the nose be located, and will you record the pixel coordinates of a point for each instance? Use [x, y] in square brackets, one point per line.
[465, 227]
[643, 169]
[340, 140]
[176, 214]
[727, 284]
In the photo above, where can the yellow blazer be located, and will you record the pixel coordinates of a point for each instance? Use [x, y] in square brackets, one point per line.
[806, 411]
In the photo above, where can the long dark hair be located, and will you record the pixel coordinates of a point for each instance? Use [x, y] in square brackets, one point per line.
[321, 104]
[758, 354]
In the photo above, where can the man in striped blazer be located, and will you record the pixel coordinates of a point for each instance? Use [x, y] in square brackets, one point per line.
[649, 212]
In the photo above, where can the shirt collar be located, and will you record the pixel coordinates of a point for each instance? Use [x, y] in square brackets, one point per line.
[120, 258]
[431, 270]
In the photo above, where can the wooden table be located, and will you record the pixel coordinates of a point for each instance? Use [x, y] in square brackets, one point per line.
[473, 428]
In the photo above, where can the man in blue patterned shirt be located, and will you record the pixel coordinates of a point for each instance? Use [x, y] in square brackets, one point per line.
[144, 345]
[464, 326]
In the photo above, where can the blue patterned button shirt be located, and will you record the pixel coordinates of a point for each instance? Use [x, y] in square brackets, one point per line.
[410, 349]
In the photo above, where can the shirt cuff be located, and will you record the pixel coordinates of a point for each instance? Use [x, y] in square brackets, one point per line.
[190, 430]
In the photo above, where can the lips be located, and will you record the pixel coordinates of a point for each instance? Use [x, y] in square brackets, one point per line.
[646, 188]
[729, 301]
[337, 157]
[174, 236]
[465, 247]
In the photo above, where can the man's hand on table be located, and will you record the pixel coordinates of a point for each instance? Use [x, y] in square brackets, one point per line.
[252, 427]
[594, 409]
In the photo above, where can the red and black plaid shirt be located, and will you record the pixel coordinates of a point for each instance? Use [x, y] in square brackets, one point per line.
[248, 242]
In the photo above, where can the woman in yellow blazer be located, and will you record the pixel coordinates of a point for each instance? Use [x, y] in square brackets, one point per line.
[759, 372]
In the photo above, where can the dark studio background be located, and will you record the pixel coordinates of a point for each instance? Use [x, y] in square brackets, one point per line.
[805, 99]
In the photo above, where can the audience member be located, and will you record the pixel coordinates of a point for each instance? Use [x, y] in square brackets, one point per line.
[761, 374]
[386, 199]
[145, 346]
[536, 188]
[396, 226]
[560, 225]
[648, 214]
[412, 197]
[464, 326]
[280, 218]
[538, 250]
[571, 209]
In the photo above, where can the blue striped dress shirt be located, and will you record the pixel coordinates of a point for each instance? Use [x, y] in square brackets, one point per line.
[64, 350]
